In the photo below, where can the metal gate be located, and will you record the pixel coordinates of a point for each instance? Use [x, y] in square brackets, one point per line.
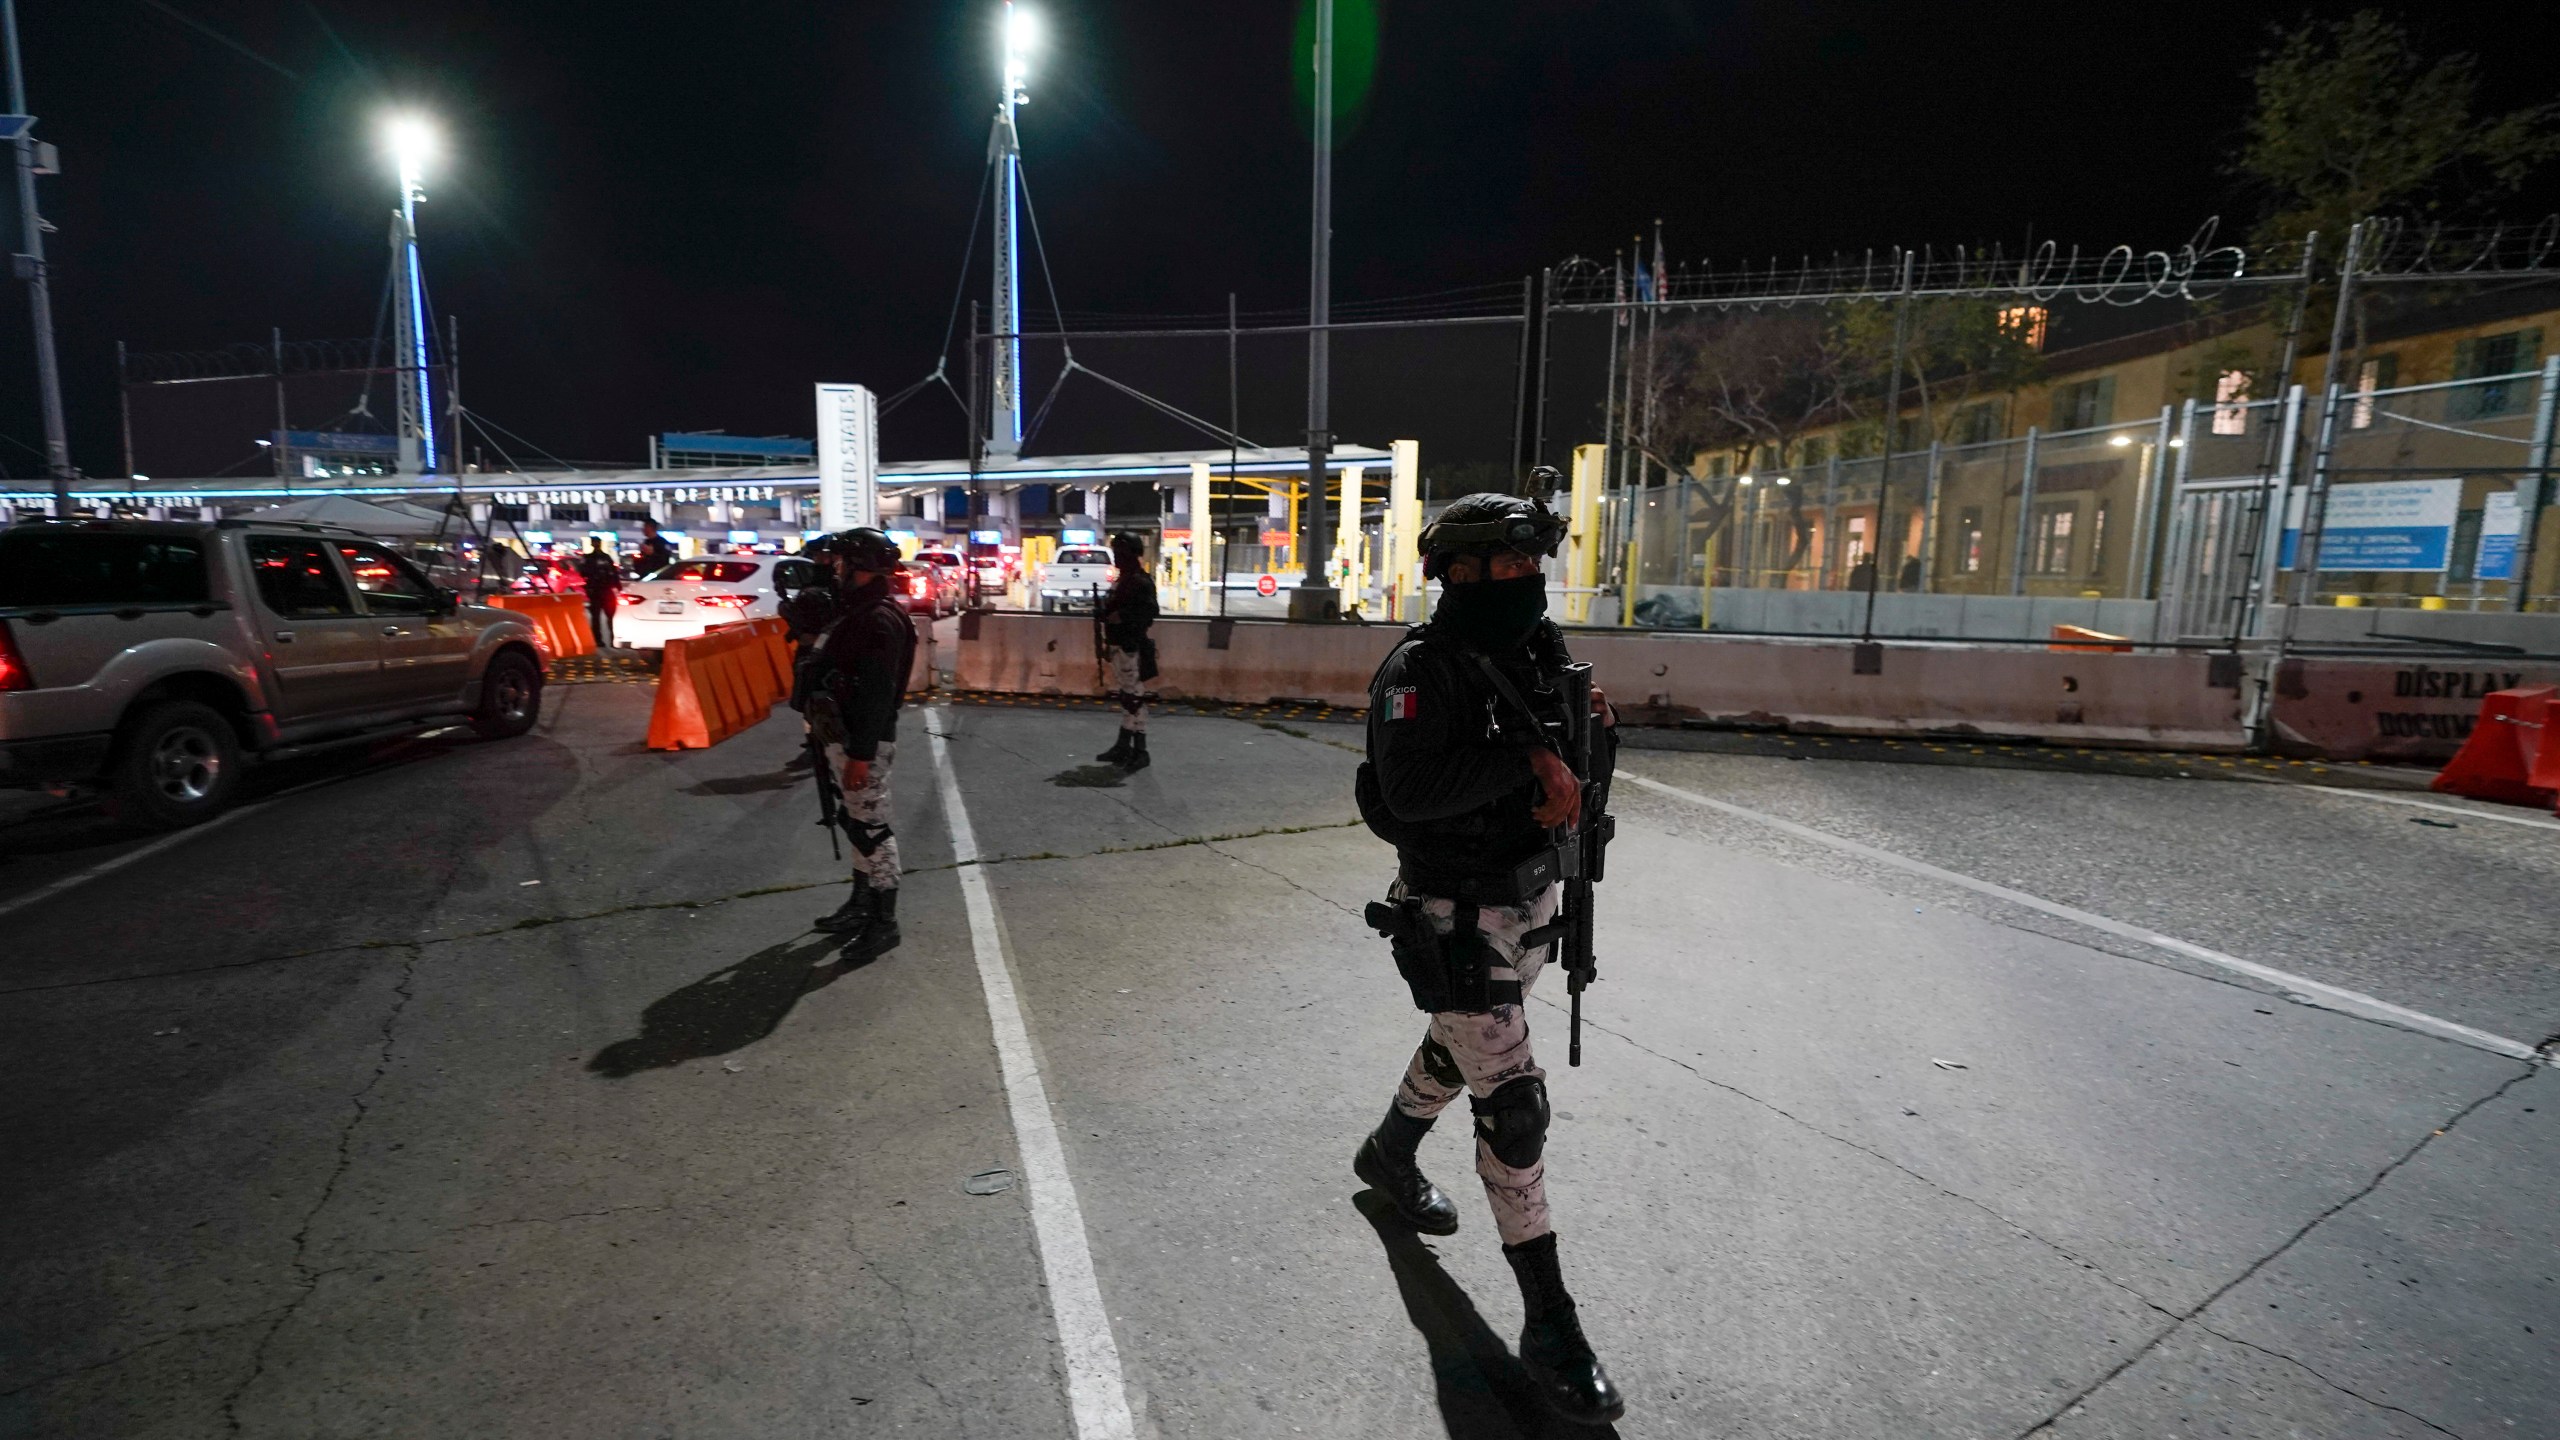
[2213, 552]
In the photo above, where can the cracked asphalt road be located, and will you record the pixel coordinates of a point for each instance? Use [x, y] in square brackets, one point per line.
[503, 1091]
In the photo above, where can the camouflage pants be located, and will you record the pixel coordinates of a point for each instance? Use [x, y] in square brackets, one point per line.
[1127, 688]
[867, 807]
[1478, 1052]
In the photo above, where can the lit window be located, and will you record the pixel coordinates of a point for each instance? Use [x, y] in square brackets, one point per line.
[2027, 322]
[1969, 539]
[2373, 376]
[2050, 542]
[2231, 403]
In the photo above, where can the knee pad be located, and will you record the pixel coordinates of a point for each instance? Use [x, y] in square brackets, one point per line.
[867, 838]
[1512, 1121]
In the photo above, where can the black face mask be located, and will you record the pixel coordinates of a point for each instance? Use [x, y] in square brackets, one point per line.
[1493, 614]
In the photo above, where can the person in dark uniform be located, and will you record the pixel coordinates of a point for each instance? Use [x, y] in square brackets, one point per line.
[656, 553]
[806, 610]
[868, 651]
[604, 589]
[1467, 730]
[1127, 611]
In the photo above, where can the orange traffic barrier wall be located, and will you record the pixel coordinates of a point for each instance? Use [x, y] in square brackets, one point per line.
[2511, 756]
[2081, 637]
[559, 622]
[718, 683]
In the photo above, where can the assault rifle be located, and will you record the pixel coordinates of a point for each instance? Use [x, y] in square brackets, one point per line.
[1101, 644]
[1587, 750]
[831, 816]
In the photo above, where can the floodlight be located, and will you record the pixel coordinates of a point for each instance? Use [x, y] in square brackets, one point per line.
[1021, 38]
[1741, 479]
[2119, 441]
[412, 141]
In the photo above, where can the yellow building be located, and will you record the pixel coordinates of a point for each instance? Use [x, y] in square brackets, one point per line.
[2111, 439]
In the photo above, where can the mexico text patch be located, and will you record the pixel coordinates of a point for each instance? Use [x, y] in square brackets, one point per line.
[1403, 702]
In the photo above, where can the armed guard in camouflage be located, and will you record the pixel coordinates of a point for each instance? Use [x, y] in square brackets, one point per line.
[1470, 720]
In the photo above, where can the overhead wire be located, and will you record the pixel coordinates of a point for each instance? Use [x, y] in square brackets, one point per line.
[1071, 365]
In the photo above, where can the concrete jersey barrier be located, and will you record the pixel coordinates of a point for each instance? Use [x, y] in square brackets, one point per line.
[2087, 697]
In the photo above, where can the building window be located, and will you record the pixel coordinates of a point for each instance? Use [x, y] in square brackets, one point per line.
[2484, 356]
[1978, 424]
[2098, 540]
[1969, 540]
[2049, 544]
[1815, 450]
[2231, 403]
[2026, 322]
[2374, 375]
[1857, 535]
[2084, 404]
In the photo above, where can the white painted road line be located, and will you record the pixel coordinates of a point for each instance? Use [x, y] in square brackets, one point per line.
[139, 852]
[2463, 810]
[1094, 1393]
[2353, 1002]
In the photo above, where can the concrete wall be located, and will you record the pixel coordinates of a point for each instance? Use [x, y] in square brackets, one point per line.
[1807, 685]
[2363, 624]
[2014, 617]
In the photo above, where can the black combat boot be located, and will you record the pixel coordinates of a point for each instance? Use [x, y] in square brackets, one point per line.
[881, 935]
[1385, 1161]
[1136, 759]
[853, 914]
[1118, 752]
[1551, 1345]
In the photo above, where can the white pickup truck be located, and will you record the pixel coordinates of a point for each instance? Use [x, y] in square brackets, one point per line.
[1075, 577]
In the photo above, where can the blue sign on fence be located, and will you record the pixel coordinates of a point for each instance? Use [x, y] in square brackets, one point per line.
[2391, 525]
[2501, 521]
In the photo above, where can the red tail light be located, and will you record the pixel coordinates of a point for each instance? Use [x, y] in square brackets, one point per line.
[920, 587]
[630, 599]
[725, 602]
[13, 666]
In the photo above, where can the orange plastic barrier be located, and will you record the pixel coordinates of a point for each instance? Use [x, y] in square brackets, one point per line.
[2510, 755]
[559, 622]
[2084, 638]
[718, 683]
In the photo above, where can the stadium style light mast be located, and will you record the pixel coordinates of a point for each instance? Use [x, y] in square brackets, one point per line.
[412, 142]
[1004, 419]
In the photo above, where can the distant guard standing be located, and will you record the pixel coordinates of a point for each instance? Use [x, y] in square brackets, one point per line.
[603, 580]
[868, 651]
[1126, 612]
[1469, 725]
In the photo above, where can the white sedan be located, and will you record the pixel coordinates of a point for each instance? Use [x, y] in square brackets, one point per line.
[687, 598]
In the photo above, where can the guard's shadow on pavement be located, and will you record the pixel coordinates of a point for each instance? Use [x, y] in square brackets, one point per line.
[729, 1009]
[1484, 1392]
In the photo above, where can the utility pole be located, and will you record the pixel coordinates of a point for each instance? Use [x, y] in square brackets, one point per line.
[30, 265]
[1315, 599]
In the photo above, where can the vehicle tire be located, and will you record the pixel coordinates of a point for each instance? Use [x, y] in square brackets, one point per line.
[510, 697]
[177, 765]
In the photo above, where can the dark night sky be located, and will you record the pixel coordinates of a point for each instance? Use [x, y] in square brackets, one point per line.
[662, 216]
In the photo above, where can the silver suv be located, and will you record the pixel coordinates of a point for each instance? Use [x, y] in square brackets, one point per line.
[151, 659]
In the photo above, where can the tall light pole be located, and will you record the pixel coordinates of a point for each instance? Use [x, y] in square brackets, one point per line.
[1004, 419]
[412, 142]
[30, 267]
[1315, 598]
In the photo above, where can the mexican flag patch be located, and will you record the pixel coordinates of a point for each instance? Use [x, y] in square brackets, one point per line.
[1403, 702]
